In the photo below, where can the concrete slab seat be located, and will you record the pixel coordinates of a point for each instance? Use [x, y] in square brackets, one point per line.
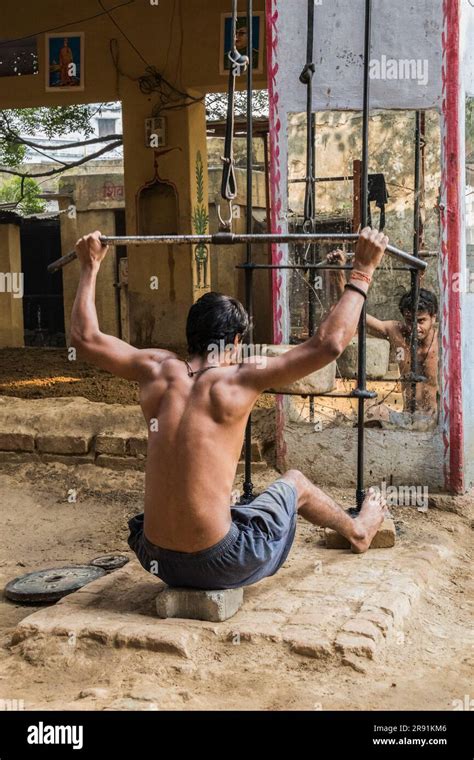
[197, 604]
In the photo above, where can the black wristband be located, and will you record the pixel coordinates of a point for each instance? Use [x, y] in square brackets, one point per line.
[351, 286]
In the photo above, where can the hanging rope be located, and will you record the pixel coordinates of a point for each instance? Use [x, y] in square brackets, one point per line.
[237, 65]
[306, 78]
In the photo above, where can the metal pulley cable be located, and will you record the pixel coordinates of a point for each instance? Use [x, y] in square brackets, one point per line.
[238, 65]
[306, 78]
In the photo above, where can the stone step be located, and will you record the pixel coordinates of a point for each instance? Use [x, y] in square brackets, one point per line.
[77, 431]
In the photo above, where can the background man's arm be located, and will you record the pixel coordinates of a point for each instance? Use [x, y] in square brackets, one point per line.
[378, 327]
[375, 326]
[333, 335]
[94, 346]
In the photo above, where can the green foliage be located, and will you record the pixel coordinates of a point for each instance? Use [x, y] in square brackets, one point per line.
[57, 121]
[10, 192]
[216, 104]
[200, 217]
[11, 155]
[470, 128]
[199, 178]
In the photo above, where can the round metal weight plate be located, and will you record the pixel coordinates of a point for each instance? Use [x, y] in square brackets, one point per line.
[52, 584]
[109, 562]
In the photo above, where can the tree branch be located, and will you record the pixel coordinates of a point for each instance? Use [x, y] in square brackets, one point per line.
[17, 140]
[72, 165]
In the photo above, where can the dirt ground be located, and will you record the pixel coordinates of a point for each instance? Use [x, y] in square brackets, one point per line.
[430, 666]
[48, 373]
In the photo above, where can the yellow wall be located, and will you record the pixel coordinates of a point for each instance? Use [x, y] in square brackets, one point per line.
[186, 50]
[196, 56]
[71, 230]
[11, 308]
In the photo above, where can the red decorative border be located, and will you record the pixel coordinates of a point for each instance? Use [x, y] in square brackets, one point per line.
[276, 206]
[451, 375]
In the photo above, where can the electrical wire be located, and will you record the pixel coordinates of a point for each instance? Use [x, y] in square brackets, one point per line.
[153, 82]
[117, 25]
[71, 23]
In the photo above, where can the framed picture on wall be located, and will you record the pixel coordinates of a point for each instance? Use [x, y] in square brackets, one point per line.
[241, 40]
[64, 62]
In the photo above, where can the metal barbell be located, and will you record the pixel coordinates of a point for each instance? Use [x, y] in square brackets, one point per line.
[229, 238]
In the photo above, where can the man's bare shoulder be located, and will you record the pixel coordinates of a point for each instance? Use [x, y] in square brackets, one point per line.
[395, 329]
[160, 354]
[152, 361]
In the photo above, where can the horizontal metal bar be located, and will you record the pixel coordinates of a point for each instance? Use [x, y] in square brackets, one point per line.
[320, 179]
[228, 238]
[322, 266]
[311, 395]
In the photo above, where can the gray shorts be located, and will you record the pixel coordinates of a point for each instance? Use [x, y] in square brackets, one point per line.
[256, 546]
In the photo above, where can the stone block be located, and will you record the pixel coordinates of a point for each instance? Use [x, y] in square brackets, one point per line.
[363, 627]
[258, 626]
[18, 456]
[137, 447]
[17, 441]
[119, 463]
[321, 381]
[383, 539]
[378, 354]
[63, 444]
[110, 443]
[395, 604]
[68, 458]
[310, 645]
[196, 604]
[350, 644]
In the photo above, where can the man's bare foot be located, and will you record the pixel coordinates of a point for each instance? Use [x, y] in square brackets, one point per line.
[368, 521]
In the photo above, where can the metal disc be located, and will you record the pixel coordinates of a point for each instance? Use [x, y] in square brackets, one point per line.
[52, 584]
[109, 562]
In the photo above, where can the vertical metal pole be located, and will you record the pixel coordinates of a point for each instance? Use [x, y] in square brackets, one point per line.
[306, 78]
[248, 485]
[361, 367]
[312, 274]
[415, 278]
[357, 184]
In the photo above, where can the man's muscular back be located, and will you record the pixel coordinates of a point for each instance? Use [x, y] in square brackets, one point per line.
[196, 428]
[201, 419]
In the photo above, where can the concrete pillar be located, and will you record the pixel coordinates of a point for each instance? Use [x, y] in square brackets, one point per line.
[92, 212]
[164, 281]
[224, 259]
[11, 301]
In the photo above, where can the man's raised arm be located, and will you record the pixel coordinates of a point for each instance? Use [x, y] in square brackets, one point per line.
[94, 346]
[377, 327]
[334, 333]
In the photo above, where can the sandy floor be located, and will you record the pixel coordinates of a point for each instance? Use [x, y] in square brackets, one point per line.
[47, 373]
[430, 667]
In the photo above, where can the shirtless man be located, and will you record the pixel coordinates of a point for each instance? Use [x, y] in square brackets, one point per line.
[398, 333]
[196, 413]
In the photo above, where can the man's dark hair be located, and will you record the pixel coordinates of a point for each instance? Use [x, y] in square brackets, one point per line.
[214, 318]
[427, 302]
